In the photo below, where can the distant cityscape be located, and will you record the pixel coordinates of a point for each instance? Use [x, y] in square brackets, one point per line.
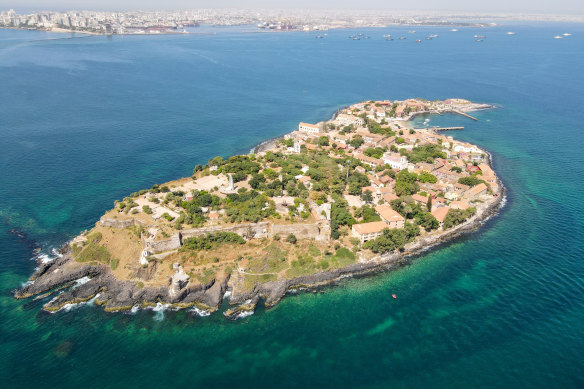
[168, 22]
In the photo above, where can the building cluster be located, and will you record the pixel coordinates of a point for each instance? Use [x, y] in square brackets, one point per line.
[141, 22]
[461, 159]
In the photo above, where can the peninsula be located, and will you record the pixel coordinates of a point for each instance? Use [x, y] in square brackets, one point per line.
[360, 193]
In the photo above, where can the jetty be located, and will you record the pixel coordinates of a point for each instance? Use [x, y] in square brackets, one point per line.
[464, 114]
[446, 128]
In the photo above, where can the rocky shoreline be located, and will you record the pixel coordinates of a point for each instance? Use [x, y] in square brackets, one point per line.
[63, 275]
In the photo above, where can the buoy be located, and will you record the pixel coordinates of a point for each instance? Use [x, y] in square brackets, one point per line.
[394, 296]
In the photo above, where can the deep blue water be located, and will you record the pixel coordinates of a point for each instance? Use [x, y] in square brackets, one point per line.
[89, 120]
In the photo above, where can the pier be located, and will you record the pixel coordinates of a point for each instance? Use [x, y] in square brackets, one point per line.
[440, 128]
[464, 114]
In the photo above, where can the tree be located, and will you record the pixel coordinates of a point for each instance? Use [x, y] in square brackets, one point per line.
[470, 180]
[357, 141]
[429, 203]
[323, 141]
[457, 216]
[425, 177]
[367, 196]
[291, 239]
[356, 182]
[406, 183]
[427, 220]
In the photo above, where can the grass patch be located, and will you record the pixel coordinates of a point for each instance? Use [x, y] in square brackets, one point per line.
[304, 265]
[206, 276]
[313, 250]
[343, 257]
[114, 263]
[273, 260]
[251, 280]
[94, 252]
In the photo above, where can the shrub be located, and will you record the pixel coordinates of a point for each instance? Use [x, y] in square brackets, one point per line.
[114, 263]
[291, 239]
[147, 209]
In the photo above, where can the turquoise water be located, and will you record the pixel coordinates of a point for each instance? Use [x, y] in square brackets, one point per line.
[86, 121]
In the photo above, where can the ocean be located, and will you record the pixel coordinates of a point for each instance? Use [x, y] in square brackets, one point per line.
[87, 120]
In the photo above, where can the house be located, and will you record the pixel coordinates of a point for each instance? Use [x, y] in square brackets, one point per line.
[459, 205]
[374, 192]
[391, 217]
[422, 200]
[472, 169]
[389, 197]
[476, 191]
[368, 160]
[440, 214]
[308, 128]
[368, 231]
[347, 120]
[396, 161]
[360, 169]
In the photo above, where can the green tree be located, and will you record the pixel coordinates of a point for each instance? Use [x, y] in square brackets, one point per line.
[367, 196]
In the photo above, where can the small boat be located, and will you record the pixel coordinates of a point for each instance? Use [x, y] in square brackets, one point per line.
[479, 40]
[479, 37]
[558, 37]
[387, 36]
[388, 39]
[510, 33]
[433, 36]
[428, 38]
[394, 295]
[567, 34]
[402, 37]
[412, 32]
[418, 41]
[454, 30]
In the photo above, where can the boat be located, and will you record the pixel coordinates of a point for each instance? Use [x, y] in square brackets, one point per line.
[479, 40]
[567, 34]
[479, 37]
[433, 36]
[388, 39]
[510, 33]
[402, 37]
[387, 36]
[412, 32]
[454, 30]
[418, 41]
[428, 38]
[394, 295]
[558, 37]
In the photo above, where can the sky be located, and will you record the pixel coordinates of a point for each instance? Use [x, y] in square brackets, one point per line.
[500, 6]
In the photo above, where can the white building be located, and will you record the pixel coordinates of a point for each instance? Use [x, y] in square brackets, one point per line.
[308, 128]
[347, 120]
[395, 161]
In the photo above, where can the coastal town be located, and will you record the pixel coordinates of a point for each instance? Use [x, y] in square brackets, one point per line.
[176, 22]
[328, 200]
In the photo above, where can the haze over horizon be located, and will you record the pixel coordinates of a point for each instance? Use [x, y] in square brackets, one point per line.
[493, 6]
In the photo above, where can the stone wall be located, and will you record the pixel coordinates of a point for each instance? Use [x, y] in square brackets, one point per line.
[260, 230]
[158, 246]
[301, 231]
[115, 223]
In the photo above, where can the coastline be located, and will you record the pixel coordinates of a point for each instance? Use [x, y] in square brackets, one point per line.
[116, 295]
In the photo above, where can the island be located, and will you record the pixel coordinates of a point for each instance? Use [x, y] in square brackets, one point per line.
[360, 193]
